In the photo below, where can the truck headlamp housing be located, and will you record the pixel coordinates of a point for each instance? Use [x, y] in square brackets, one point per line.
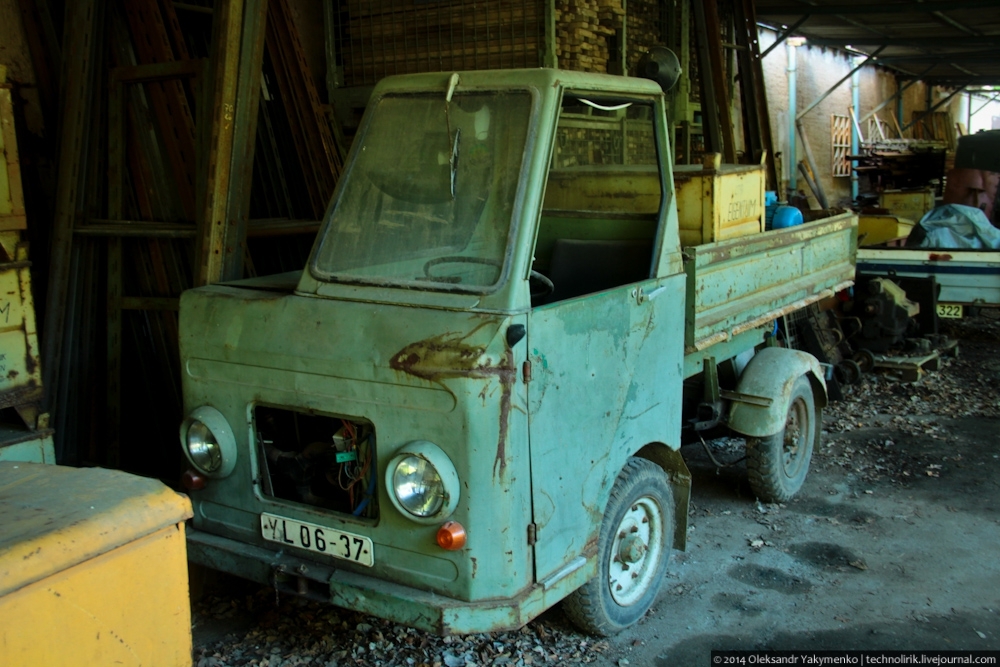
[208, 442]
[424, 482]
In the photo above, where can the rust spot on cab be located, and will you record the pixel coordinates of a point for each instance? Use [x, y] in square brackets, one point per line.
[448, 356]
[942, 257]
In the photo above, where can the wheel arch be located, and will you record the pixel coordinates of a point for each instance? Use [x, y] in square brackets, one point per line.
[672, 463]
[771, 374]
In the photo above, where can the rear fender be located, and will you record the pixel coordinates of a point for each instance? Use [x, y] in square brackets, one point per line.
[770, 375]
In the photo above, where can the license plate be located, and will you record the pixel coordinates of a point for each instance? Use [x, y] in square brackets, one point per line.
[320, 539]
[950, 310]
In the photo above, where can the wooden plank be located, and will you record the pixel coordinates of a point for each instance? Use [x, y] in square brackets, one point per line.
[169, 100]
[79, 57]
[212, 219]
[11, 192]
[150, 303]
[157, 71]
[312, 136]
[244, 137]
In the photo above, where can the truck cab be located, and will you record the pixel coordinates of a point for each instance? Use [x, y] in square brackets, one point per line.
[468, 406]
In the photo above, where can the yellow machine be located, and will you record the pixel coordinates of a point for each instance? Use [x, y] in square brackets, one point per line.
[93, 569]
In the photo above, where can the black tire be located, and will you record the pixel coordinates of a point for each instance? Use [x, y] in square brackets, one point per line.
[778, 464]
[637, 534]
[865, 360]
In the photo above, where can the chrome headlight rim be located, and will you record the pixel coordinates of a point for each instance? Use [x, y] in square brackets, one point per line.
[446, 472]
[221, 432]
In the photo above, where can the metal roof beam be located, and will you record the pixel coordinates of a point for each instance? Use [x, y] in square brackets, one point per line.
[837, 85]
[784, 35]
[895, 8]
[924, 42]
[931, 110]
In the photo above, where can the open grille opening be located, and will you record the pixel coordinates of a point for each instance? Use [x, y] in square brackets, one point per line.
[317, 460]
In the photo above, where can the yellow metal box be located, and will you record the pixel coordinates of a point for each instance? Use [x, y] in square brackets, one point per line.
[93, 569]
[910, 204]
[718, 201]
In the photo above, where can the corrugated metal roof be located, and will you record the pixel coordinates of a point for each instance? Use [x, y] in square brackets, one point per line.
[954, 43]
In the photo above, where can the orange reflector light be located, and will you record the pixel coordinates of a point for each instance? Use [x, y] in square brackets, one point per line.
[451, 536]
[193, 481]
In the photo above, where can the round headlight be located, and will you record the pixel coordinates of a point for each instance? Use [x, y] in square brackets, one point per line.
[417, 485]
[423, 482]
[208, 442]
[203, 448]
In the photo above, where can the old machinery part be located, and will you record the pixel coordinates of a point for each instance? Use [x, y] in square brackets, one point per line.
[885, 314]
[317, 460]
[661, 65]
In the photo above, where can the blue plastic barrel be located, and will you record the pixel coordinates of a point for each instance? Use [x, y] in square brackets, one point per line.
[786, 216]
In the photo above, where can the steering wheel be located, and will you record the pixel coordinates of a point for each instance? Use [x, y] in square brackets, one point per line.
[546, 285]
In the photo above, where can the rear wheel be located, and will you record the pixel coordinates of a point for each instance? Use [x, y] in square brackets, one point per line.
[777, 465]
[637, 534]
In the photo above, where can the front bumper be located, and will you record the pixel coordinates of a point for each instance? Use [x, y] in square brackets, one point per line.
[402, 604]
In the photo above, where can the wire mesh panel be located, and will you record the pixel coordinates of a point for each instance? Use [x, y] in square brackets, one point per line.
[840, 135]
[378, 38]
[590, 138]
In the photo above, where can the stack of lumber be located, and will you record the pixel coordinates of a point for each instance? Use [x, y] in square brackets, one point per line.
[584, 31]
[378, 38]
[644, 29]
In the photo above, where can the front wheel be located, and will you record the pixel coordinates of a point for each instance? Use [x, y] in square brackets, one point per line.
[637, 533]
[777, 465]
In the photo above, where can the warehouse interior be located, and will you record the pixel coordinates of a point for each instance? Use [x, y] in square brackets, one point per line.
[148, 147]
[165, 145]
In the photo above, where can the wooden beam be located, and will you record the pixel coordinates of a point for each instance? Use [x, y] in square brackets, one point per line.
[244, 138]
[212, 218]
[79, 53]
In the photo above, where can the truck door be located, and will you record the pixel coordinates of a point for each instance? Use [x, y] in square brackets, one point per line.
[606, 343]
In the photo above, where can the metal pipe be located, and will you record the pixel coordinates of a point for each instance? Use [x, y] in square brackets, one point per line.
[855, 139]
[792, 97]
[985, 104]
[784, 35]
[837, 85]
[897, 95]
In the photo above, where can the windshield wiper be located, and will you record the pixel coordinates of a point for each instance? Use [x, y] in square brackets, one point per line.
[453, 161]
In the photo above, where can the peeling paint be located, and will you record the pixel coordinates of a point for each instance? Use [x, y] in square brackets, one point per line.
[449, 356]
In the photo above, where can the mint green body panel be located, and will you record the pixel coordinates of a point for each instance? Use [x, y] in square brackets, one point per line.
[537, 427]
[243, 348]
[605, 378]
[772, 374]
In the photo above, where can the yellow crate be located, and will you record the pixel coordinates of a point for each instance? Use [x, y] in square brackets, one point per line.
[910, 204]
[718, 201]
[93, 569]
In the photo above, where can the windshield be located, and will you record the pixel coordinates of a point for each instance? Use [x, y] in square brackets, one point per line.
[429, 199]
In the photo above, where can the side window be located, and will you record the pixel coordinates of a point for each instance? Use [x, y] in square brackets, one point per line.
[602, 199]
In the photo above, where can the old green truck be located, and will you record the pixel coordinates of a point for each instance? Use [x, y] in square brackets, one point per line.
[469, 405]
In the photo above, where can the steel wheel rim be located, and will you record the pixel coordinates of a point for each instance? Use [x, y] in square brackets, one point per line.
[794, 440]
[635, 551]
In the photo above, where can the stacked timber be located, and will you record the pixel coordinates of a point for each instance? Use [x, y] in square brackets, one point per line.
[644, 29]
[586, 31]
[378, 38]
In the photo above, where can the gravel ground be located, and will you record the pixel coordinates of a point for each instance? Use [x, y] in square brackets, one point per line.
[243, 624]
